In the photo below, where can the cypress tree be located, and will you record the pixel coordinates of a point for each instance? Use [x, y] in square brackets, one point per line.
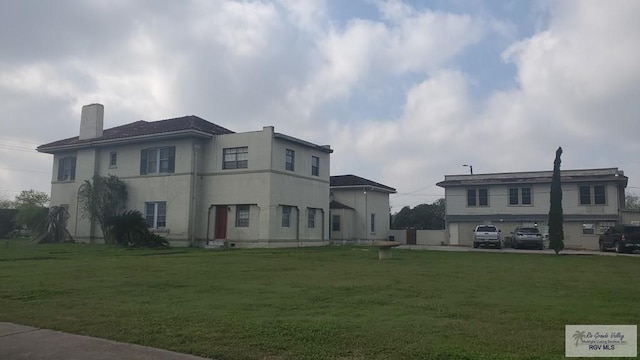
[556, 232]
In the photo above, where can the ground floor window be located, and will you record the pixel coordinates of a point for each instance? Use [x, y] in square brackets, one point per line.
[311, 220]
[286, 216]
[155, 214]
[335, 223]
[373, 223]
[242, 216]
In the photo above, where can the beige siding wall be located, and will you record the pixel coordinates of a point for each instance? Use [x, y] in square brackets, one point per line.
[499, 201]
[347, 221]
[365, 204]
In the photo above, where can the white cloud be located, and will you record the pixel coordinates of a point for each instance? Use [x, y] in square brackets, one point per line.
[371, 52]
[245, 64]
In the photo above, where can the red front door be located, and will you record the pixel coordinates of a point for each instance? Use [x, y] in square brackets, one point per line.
[221, 222]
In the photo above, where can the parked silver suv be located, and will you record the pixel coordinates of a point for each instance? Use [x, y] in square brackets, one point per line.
[527, 237]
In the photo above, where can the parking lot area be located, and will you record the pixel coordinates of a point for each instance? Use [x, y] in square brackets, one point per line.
[515, 251]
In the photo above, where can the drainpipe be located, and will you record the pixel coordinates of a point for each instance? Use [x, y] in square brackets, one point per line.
[322, 224]
[209, 221]
[297, 225]
[194, 194]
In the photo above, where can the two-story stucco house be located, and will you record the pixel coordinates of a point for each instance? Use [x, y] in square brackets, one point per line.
[198, 183]
[592, 200]
[359, 209]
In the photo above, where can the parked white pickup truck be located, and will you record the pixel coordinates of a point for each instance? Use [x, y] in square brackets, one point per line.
[487, 235]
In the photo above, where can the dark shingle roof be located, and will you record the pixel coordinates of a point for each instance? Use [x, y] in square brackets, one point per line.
[338, 205]
[140, 128]
[352, 180]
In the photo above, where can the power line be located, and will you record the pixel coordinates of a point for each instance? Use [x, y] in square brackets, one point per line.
[20, 141]
[19, 148]
[26, 170]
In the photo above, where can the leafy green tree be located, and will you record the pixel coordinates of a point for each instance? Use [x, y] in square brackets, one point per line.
[34, 197]
[423, 216]
[632, 201]
[556, 218]
[6, 203]
[6, 221]
[32, 209]
[101, 199]
[31, 216]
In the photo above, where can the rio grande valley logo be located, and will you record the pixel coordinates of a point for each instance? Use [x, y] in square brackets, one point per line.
[601, 340]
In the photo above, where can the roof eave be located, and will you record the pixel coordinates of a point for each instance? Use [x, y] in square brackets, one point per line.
[124, 140]
[364, 186]
[323, 148]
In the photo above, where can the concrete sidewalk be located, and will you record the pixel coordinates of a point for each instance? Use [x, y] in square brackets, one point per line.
[18, 342]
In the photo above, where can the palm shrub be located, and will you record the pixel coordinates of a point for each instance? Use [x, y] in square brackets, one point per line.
[54, 227]
[131, 229]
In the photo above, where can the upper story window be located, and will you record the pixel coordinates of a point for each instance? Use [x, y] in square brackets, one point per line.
[113, 159]
[477, 197]
[520, 196]
[290, 158]
[235, 158]
[592, 195]
[67, 168]
[286, 216]
[242, 216]
[158, 160]
[315, 166]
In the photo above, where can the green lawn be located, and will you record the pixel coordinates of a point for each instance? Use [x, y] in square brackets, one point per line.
[318, 303]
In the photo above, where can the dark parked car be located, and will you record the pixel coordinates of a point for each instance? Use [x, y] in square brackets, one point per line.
[621, 238]
[527, 237]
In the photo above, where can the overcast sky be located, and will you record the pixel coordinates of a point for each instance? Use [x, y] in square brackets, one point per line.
[404, 92]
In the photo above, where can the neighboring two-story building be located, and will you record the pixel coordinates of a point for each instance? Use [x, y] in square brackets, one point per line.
[359, 210]
[592, 200]
[198, 183]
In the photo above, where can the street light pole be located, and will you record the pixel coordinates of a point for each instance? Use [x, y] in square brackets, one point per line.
[470, 167]
[366, 216]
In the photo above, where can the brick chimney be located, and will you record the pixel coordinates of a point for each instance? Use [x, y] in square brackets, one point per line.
[91, 121]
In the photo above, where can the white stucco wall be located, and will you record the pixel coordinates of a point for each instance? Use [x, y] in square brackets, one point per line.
[365, 204]
[264, 185]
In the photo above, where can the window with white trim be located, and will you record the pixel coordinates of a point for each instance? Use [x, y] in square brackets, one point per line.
[520, 196]
[477, 197]
[242, 216]
[235, 158]
[113, 159]
[155, 214]
[311, 218]
[286, 216]
[592, 195]
[290, 159]
[335, 223]
[315, 166]
[160, 160]
[67, 168]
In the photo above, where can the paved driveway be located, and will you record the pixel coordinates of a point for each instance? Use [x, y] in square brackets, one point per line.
[513, 251]
[20, 342]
